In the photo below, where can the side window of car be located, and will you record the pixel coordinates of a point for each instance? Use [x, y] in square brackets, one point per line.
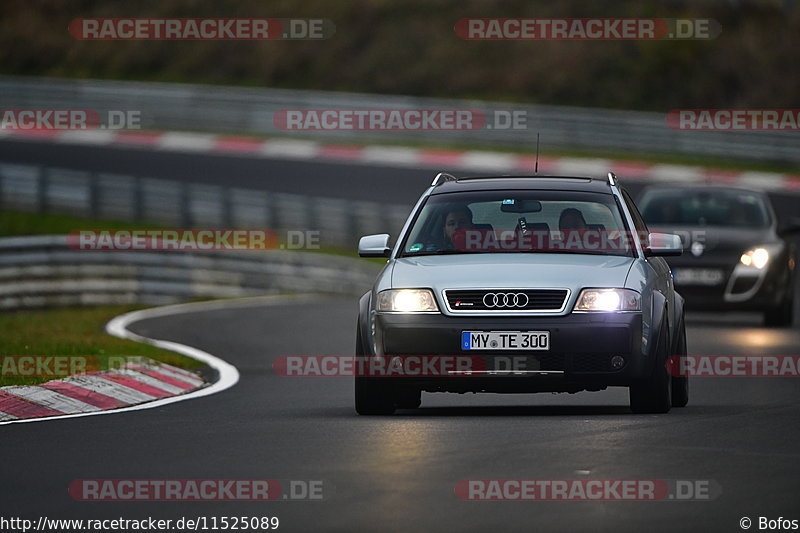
[638, 221]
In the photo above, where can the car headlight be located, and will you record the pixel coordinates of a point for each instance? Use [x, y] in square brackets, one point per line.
[407, 301]
[609, 300]
[757, 257]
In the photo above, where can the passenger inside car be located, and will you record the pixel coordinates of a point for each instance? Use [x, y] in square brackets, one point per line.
[571, 219]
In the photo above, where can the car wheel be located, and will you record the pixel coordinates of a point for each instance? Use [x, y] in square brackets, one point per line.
[781, 316]
[680, 384]
[373, 396]
[654, 395]
[409, 398]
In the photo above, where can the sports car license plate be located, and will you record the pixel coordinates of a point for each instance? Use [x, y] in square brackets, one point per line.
[505, 340]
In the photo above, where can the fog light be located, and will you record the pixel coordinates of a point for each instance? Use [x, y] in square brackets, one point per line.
[617, 362]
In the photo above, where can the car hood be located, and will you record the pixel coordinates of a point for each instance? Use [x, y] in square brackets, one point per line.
[471, 271]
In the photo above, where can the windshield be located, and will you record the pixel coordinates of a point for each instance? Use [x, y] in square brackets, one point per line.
[518, 222]
[686, 207]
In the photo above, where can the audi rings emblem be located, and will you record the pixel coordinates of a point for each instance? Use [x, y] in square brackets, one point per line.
[500, 300]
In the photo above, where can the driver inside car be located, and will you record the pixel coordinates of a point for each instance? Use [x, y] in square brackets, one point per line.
[457, 219]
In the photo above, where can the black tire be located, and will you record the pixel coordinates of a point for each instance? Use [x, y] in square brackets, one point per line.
[654, 394]
[680, 384]
[781, 316]
[409, 398]
[373, 396]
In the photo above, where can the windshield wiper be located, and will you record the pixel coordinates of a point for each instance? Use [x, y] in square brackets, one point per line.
[440, 252]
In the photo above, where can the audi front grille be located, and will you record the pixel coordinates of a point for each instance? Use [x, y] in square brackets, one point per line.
[506, 301]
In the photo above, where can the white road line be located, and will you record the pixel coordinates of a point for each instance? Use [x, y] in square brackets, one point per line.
[92, 137]
[767, 181]
[573, 166]
[290, 149]
[228, 374]
[390, 155]
[676, 173]
[494, 161]
[51, 399]
[186, 142]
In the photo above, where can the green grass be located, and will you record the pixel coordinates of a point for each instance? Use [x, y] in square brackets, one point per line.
[72, 332]
[14, 223]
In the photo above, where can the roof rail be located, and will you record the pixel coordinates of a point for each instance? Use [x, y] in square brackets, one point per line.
[612, 179]
[524, 176]
[442, 177]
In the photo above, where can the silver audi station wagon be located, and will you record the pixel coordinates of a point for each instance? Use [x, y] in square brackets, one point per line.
[522, 284]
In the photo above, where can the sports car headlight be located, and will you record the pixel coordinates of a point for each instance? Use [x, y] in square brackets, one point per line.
[609, 300]
[757, 257]
[407, 301]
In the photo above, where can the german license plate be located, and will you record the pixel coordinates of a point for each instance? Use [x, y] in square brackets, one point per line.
[505, 340]
[698, 276]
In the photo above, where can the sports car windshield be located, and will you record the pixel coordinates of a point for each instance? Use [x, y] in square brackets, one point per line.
[519, 222]
[740, 209]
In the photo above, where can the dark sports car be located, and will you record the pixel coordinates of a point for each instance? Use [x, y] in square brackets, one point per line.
[737, 256]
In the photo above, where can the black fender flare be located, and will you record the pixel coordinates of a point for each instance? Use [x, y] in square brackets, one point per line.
[678, 319]
[658, 320]
[364, 306]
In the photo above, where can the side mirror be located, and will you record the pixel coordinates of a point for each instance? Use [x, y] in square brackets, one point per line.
[374, 246]
[664, 245]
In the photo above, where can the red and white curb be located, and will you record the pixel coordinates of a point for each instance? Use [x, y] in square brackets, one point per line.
[465, 160]
[136, 387]
[96, 391]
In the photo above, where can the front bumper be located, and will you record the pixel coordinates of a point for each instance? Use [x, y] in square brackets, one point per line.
[581, 348]
[737, 291]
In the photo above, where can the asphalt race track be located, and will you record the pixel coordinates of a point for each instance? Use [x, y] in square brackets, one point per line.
[399, 473]
[359, 182]
[393, 185]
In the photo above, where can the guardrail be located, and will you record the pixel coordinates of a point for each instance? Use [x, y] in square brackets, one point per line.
[175, 204]
[42, 271]
[224, 109]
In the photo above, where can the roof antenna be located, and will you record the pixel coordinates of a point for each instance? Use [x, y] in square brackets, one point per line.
[536, 168]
